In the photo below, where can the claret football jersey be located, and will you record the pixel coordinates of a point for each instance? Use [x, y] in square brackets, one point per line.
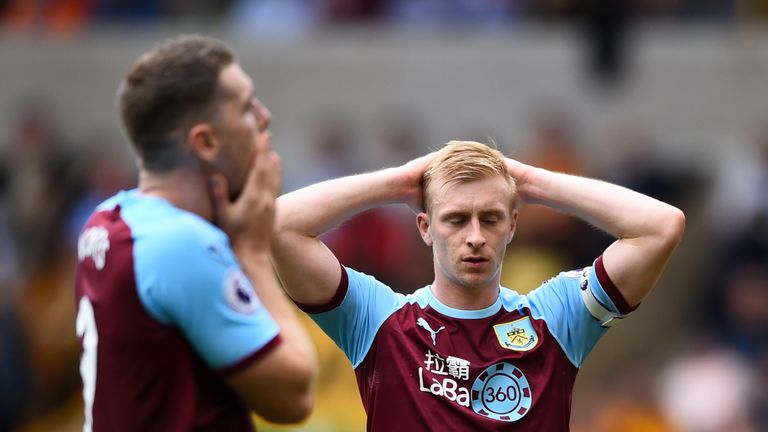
[424, 366]
[165, 312]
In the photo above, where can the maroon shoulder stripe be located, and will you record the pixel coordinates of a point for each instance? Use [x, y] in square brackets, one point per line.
[610, 288]
[335, 301]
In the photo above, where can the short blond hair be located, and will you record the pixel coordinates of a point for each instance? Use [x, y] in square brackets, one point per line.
[465, 161]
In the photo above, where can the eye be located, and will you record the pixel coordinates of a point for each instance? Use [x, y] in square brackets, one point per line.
[455, 220]
[492, 218]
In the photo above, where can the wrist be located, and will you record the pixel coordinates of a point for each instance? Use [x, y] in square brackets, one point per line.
[526, 178]
[404, 186]
[533, 184]
[251, 251]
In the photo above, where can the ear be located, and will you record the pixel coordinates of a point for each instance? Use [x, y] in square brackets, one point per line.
[203, 142]
[512, 224]
[422, 222]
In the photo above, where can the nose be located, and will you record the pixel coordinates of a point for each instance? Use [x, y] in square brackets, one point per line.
[263, 116]
[475, 237]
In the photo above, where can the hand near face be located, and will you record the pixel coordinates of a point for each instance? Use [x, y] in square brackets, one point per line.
[249, 220]
[411, 174]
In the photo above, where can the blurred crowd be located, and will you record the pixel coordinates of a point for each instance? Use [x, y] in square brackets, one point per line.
[286, 17]
[707, 373]
[46, 193]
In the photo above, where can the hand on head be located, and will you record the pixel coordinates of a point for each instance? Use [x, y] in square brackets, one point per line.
[413, 172]
[520, 174]
[249, 220]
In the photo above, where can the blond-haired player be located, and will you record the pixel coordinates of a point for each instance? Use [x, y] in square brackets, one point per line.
[465, 353]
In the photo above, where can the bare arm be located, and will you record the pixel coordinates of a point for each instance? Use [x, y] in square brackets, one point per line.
[308, 269]
[277, 386]
[647, 230]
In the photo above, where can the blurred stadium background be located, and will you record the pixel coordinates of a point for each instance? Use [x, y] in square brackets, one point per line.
[669, 97]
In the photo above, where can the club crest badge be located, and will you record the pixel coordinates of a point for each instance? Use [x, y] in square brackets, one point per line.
[517, 335]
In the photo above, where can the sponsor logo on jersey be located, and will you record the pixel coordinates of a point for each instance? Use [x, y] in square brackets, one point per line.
[517, 335]
[502, 392]
[442, 376]
[93, 243]
[421, 322]
[240, 294]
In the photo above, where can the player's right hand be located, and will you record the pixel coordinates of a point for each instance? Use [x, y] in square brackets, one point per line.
[412, 174]
[522, 174]
[249, 221]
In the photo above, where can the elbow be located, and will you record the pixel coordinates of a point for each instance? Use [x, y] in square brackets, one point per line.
[296, 409]
[281, 239]
[285, 232]
[280, 387]
[673, 227]
[282, 221]
[296, 402]
[303, 407]
[279, 227]
[304, 399]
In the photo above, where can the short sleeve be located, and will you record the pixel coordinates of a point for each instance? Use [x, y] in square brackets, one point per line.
[191, 279]
[564, 303]
[353, 324]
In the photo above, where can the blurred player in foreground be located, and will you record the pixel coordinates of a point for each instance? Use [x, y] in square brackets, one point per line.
[182, 322]
[465, 354]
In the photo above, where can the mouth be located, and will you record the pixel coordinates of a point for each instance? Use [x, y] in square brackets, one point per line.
[474, 260]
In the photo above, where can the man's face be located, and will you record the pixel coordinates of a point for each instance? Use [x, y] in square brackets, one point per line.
[241, 122]
[469, 227]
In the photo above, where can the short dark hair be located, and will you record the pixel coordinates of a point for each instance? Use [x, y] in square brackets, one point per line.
[166, 88]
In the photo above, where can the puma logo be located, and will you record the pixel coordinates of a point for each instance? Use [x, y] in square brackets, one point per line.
[421, 322]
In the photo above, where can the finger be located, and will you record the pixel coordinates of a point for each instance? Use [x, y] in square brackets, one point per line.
[252, 180]
[276, 176]
[260, 163]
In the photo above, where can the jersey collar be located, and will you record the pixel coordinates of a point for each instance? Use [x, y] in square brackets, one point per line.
[463, 313]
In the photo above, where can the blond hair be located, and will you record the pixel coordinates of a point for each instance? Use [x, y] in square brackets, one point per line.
[465, 161]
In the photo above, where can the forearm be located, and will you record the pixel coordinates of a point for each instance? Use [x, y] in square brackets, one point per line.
[310, 272]
[300, 351]
[620, 212]
[647, 230]
[318, 208]
[278, 386]
[259, 269]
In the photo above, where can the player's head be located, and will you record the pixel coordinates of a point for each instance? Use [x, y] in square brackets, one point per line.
[469, 218]
[188, 101]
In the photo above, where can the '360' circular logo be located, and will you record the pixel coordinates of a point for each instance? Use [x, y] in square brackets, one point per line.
[501, 392]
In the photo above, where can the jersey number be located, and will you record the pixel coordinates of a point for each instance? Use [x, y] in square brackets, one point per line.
[86, 329]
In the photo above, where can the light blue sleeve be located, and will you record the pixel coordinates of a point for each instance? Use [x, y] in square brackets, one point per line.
[559, 302]
[354, 323]
[188, 277]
